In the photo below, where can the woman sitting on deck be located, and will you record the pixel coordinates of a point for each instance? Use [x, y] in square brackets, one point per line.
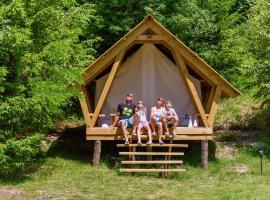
[143, 123]
[157, 118]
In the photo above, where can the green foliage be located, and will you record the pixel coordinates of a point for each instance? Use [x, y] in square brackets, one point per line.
[258, 46]
[40, 54]
[16, 156]
[242, 112]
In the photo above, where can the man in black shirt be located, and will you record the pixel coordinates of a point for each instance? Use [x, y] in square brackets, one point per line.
[125, 112]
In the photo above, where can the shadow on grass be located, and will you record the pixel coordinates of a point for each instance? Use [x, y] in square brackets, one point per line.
[72, 145]
[192, 156]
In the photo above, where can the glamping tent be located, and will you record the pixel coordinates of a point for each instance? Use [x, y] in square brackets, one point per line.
[151, 62]
[149, 74]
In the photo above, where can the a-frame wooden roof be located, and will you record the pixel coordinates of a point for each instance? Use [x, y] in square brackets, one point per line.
[161, 36]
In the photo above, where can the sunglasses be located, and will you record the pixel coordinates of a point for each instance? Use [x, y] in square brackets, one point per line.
[129, 95]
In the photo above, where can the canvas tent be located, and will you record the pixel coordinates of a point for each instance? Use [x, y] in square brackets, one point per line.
[149, 74]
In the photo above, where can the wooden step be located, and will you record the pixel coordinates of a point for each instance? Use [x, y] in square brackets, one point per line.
[146, 162]
[152, 145]
[151, 170]
[153, 153]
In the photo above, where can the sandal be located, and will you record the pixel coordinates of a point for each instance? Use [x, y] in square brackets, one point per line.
[160, 142]
[154, 134]
[149, 142]
[126, 142]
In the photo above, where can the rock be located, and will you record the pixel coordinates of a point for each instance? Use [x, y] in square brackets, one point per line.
[224, 151]
[241, 168]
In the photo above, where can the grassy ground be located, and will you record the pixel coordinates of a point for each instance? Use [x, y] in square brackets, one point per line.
[67, 175]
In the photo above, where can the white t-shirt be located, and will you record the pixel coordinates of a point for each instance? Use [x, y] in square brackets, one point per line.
[170, 112]
[158, 112]
[142, 114]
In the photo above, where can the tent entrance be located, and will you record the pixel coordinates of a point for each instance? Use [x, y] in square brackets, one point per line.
[149, 74]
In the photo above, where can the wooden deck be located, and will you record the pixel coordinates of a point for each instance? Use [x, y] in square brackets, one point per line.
[182, 133]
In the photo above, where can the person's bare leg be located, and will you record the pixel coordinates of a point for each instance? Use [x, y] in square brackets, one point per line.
[175, 123]
[125, 132]
[153, 124]
[164, 122]
[159, 125]
[136, 119]
[139, 133]
[147, 127]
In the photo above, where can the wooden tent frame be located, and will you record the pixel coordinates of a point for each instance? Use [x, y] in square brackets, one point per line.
[183, 56]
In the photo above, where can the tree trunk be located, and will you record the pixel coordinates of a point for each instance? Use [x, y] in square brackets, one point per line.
[204, 153]
[96, 152]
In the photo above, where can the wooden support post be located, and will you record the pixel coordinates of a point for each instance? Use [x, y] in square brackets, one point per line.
[204, 153]
[87, 97]
[214, 105]
[133, 159]
[107, 86]
[190, 86]
[210, 99]
[86, 113]
[96, 152]
[149, 149]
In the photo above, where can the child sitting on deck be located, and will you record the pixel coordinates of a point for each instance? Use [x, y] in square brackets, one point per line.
[143, 123]
[157, 118]
[171, 119]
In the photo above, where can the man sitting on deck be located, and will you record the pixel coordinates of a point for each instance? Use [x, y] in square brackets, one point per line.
[125, 112]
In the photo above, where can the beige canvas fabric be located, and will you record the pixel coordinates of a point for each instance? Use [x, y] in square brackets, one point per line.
[149, 74]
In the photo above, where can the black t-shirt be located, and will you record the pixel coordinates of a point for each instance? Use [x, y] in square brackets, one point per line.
[126, 110]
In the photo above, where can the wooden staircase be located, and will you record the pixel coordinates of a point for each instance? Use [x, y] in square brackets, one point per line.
[161, 166]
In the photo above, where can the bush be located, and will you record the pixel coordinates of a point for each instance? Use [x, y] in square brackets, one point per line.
[17, 156]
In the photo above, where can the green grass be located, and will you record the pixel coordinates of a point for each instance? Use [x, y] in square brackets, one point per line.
[65, 175]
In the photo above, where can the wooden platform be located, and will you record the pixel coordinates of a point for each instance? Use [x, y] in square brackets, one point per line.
[182, 133]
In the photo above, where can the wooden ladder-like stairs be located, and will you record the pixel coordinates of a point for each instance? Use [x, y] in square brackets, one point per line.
[161, 166]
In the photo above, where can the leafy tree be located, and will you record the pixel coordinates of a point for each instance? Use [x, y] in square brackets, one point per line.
[258, 48]
[40, 53]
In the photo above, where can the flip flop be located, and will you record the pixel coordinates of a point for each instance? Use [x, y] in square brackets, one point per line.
[160, 142]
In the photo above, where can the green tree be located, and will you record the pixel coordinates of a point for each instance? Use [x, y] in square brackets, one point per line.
[40, 53]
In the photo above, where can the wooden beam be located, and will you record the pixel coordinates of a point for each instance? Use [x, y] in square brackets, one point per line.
[157, 39]
[152, 145]
[144, 137]
[151, 170]
[150, 162]
[210, 99]
[86, 113]
[86, 97]
[190, 86]
[152, 153]
[214, 105]
[100, 63]
[197, 64]
[111, 131]
[107, 86]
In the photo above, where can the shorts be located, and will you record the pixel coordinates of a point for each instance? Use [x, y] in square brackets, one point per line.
[143, 123]
[170, 123]
[128, 122]
[157, 120]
